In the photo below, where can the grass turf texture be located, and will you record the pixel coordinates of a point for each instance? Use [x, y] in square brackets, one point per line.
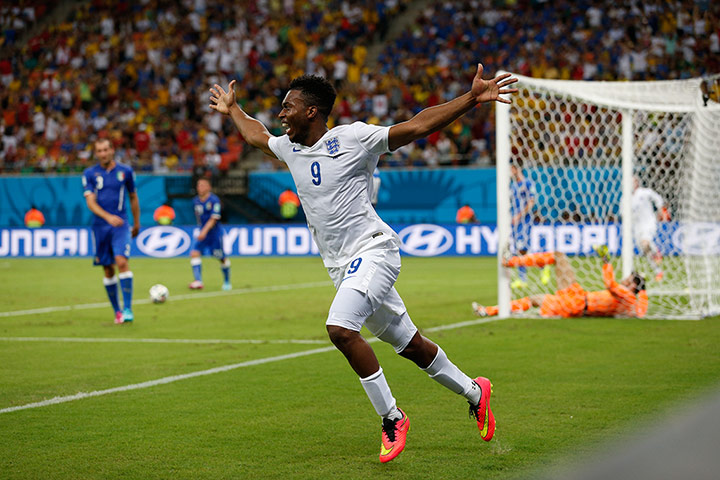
[562, 387]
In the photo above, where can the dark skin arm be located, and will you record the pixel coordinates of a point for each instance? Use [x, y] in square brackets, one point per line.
[440, 116]
[252, 130]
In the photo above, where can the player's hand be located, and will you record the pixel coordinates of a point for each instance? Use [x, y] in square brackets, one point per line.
[603, 252]
[201, 236]
[135, 230]
[665, 215]
[490, 90]
[114, 220]
[220, 100]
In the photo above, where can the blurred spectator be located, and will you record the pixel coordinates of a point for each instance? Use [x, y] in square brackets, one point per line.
[34, 218]
[465, 214]
[112, 66]
[164, 214]
[289, 204]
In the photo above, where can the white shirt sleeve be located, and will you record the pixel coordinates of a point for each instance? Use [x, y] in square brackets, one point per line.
[276, 145]
[656, 199]
[373, 138]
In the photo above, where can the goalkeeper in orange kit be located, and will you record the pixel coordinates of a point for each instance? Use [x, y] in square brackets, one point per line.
[625, 299]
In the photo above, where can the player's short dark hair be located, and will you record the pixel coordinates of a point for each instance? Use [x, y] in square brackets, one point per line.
[316, 91]
[638, 280]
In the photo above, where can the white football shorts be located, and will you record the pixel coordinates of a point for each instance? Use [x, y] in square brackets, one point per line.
[366, 296]
[645, 231]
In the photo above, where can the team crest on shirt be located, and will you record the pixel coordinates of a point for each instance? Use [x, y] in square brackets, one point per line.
[120, 176]
[333, 145]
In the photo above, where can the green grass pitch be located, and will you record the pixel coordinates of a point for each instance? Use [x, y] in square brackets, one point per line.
[562, 387]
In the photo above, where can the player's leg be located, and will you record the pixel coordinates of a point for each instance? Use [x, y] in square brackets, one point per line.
[564, 272]
[126, 286]
[540, 259]
[196, 264]
[432, 360]
[104, 256]
[653, 255]
[392, 324]
[219, 253]
[225, 267]
[347, 314]
[521, 238]
[644, 233]
[110, 280]
[121, 250]
[518, 305]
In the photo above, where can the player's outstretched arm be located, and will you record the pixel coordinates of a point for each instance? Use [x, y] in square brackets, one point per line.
[252, 130]
[435, 118]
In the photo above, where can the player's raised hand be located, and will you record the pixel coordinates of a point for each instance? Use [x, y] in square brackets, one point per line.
[490, 90]
[220, 100]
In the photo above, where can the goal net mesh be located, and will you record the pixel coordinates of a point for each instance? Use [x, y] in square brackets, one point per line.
[577, 142]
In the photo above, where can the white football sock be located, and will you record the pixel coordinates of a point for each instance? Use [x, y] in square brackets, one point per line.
[378, 391]
[443, 371]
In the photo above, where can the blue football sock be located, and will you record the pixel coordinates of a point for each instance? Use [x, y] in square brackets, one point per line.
[111, 288]
[225, 266]
[196, 264]
[126, 285]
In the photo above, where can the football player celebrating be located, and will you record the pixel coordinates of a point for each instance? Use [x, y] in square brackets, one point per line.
[104, 186]
[332, 169]
[647, 208]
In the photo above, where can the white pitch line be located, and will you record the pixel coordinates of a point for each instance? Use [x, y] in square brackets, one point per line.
[162, 340]
[176, 378]
[185, 296]
[165, 380]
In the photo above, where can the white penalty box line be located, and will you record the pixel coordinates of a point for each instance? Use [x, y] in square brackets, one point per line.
[226, 368]
[186, 296]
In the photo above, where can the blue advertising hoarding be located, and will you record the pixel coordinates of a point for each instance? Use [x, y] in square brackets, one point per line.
[423, 240]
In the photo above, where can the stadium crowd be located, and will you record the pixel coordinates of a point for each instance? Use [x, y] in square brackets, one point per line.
[138, 73]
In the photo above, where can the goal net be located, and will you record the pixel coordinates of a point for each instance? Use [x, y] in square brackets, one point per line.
[579, 147]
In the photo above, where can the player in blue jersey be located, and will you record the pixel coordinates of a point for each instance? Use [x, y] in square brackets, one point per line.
[210, 237]
[104, 186]
[522, 202]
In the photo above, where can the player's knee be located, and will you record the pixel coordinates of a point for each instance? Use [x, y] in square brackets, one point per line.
[420, 350]
[341, 336]
[122, 263]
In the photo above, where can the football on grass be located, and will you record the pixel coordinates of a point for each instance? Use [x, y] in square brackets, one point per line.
[159, 293]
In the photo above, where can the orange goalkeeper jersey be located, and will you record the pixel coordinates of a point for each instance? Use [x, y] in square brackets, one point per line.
[615, 300]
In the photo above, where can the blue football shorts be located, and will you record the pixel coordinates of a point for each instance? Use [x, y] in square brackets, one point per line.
[212, 245]
[110, 242]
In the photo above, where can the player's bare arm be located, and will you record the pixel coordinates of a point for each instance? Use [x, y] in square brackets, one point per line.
[209, 225]
[92, 204]
[135, 208]
[252, 130]
[440, 116]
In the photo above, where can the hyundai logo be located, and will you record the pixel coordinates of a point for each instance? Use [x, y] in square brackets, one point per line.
[425, 240]
[700, 238]
[163, 241]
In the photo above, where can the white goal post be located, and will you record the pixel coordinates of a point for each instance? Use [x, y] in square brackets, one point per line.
[583, 146]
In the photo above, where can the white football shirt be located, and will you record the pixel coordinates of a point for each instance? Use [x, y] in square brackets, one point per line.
[645, 203]
[333, 179]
